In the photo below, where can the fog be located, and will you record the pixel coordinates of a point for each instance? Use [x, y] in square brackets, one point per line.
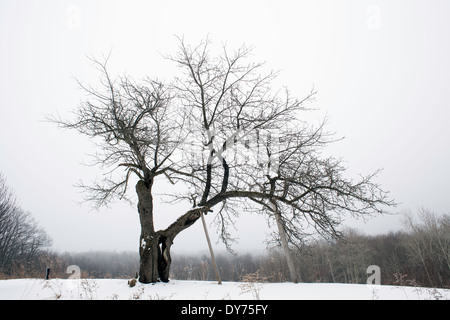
[381, 70]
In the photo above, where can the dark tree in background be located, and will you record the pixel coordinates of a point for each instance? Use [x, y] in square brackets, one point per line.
[22, 240]
[227, 139]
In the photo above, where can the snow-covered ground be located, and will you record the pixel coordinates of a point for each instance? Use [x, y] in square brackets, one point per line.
[110, 289]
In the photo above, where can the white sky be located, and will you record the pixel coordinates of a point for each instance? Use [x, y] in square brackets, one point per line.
[382, 70]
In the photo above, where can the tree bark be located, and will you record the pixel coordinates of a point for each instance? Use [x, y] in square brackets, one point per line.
[149, 256]
[149, 239]
[164, 259]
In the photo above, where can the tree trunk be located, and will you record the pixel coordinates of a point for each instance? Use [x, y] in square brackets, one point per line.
[149, 239]
[167, 236]
[155, 259]
[149, 253]
[164, 259]
[154, 246]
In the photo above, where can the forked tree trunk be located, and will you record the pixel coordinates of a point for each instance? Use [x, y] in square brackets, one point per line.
[154, 246]
[155, 259]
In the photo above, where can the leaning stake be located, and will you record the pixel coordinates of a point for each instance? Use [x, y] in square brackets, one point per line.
[210, 249]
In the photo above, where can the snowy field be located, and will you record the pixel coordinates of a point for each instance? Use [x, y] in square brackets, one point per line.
[118, 289]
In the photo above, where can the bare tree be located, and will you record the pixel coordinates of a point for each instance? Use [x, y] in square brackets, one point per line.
[306, 194]
[429, 245]
[231, 103]
[137, 131]
[211, 131]
[21, 238]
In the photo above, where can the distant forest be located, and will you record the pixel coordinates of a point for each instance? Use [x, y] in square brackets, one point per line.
[417, 256]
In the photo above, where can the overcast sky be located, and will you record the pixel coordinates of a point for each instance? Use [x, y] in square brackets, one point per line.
[381, 68]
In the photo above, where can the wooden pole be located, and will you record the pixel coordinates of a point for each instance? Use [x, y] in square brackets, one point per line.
[210, 249]
[287, 251]
[284, 244]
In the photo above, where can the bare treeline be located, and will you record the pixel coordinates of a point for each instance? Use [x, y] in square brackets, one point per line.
[104, 264]
[417, 256]
[22, 240]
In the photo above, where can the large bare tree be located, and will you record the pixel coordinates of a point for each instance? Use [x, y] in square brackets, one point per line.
[230, 140]
[137, 131]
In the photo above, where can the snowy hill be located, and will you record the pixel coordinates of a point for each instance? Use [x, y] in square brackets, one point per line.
[118, 289]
